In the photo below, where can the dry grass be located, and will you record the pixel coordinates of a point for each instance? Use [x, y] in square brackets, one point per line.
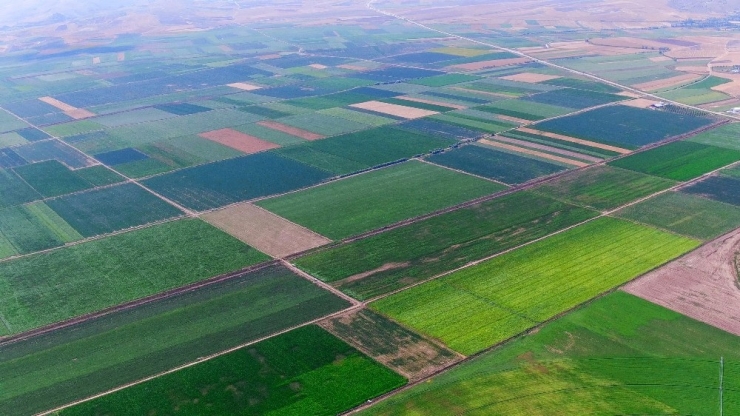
[496, 63]
[531, 77]
[394, 109]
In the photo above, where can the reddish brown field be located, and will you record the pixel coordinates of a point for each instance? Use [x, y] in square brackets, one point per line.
[530, 77]
[238, 140]
[294, 131]
[702, 285]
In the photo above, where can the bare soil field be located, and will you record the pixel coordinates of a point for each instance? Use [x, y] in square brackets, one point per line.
[639, 103]
[238, 140]
[265, 231]
[74, 112]
[318, 66]
[574, 140]
[496, 63]
[244, 86]
[694, 69]
[702, 285]
[432, 102]
[513, 119]
[535, 153]
[294, 131]
[392, 345]
[394, 109]
[660, 84]
[629, 42]
[531, 77]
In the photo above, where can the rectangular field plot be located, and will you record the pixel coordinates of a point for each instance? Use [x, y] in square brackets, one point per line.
[30, 228]
[624, 126]
[330, 375]
[504, 167]
[111, 209]
[53, 150]
[264, 230]
[14, 190]
[685, 214]
[361, 150]
[619, 355]
[724, 136]
[61, 284]
[238, 141]
[525, 110]
[398, 258]
[480, 306]
[323, 124]
[376, 199]
[445, 80]
[396, 110]
[222, 183]
[406, 352]
[719, 188]
[9, 122]
[604, 187]
[52, 178]
[572, 98]
[131, 344]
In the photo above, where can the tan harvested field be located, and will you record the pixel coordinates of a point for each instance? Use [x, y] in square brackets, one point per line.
[238, 140]
[531, 77]
[630, 42]
[432, 102]
[394, 109]
[244, 86]
[496, 63]
[695, 69]
[294, 131]
[318, 66]
[639, 103]
[574, 140]
[411, 355]
[629, 94]
[676, 81]
[574, 48]
[265, 231]
[535, 153]
[549, 149]
[702, 285]
[74, 112]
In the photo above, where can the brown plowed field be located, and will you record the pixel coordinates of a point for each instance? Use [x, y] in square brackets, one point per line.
[265, 231]
[293, 131]
[701, 285]
[530, 77]
[238, 140]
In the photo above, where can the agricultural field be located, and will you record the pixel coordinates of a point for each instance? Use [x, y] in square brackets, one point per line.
[372, 200]
[398, 258]
[135, 343]
[686, 214]
[603, 187]
[475, 308]
[679, 161]
[297, 208]
[618, 355]
[58, 285]
[330, 375]
[625, 126]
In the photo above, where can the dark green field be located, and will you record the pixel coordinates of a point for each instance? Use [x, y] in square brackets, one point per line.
[111, 209]
[52, 178]
[129, 345]
[50, 287]
[679, 161]
[603, 187]
[401, 257]
[379, 198]
[14, 191]
[620, 355]
[304, 372]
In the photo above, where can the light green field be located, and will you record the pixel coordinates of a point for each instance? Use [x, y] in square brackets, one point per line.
[723, 136]
[480, 306]
[620, 355]
[372, 200]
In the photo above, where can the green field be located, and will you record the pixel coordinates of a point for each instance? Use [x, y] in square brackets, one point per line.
[604, 187]
[29, 228]
[372, 200]
[619, 355]
[129, 345]
[480, 306]
[679, 161]
[439, 244]
[304, 372]
[58, 285]
[685, 214]
[51, 178]
[524, 109]
[14, 191]
[444, 80]
[723, 136]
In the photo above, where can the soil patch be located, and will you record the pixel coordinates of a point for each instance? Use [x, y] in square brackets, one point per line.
[293, 131]
[394, 109]
[238, 140]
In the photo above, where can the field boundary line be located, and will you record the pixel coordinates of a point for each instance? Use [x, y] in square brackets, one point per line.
[461, 171]
[354, 302]
[134, 303]
[198, 361]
